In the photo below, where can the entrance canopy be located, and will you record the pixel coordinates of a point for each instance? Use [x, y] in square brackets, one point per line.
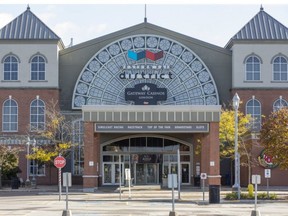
[141, 118]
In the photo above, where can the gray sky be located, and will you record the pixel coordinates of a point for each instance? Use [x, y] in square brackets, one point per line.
[212, 23]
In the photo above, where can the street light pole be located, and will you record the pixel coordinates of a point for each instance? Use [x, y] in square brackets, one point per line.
[34, 172]
[28, 162]
[236, 186]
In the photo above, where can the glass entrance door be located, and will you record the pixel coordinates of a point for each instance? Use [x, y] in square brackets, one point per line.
[172, 168]
[111, 173]
[185, 168]
[146, 173]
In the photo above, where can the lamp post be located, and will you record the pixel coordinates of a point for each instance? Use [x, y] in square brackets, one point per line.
[34, 171]
[236, 186]
[28, 162]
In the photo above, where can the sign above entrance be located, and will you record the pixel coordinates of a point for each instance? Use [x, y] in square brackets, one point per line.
[145, 94]
[152, 127]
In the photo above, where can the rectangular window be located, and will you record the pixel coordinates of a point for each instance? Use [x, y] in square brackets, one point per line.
[37, 169]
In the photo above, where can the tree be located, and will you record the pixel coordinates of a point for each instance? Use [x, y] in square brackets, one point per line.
[8, 160]
[57, 134]
[274, 137]
[227, 138]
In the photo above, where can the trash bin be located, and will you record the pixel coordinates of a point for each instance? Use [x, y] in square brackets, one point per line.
[15, 183]
[214, 193]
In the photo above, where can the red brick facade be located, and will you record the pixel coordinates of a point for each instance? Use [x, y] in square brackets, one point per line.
[24, 97]
[266, 97]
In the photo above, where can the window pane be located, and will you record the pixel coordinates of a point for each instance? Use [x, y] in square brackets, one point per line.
[249, 76]
[276, 76]
[257, 67]
[41, 76]
[257, 76]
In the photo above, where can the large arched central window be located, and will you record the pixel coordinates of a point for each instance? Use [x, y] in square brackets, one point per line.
[139, 59]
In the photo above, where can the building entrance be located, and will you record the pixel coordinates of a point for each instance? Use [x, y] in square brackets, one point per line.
[150, 160]
[146, 174]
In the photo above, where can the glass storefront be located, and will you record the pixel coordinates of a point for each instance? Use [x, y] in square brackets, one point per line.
[150, 160]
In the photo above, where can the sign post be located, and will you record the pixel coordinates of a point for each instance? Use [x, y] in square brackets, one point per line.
[59, 162]
[268, 176]
[67, 182]
[128, 178]
[203, 176]
[172, 183]
[256, 179]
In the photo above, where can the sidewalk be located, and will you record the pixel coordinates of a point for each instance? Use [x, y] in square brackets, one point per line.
[144, 201]
[143, 191]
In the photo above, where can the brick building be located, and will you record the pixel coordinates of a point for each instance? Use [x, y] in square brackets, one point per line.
[139, 97]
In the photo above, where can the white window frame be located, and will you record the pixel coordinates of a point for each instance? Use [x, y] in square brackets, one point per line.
[9, 115]
[38, 114]
[280, 72]
[11, 71]
[256, 117]
[253, 72]
[37, 72]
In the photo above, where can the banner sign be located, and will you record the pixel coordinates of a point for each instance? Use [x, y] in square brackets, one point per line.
[152, 127]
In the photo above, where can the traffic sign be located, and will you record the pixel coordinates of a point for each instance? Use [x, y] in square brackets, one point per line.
[256, 179]
[59, 162]
[203, 175]
[267, 173]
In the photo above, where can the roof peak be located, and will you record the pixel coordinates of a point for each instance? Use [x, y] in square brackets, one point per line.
[262, 27]
[27, 26]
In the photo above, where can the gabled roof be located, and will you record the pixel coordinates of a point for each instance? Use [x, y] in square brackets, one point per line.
[27, 26]
[261, 27]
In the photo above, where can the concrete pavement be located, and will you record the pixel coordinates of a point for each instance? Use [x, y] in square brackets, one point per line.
[146, 201]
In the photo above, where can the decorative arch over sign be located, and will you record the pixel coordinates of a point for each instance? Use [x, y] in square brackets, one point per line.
[146, 59]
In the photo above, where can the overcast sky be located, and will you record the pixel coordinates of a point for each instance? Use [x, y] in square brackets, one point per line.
[209, 22]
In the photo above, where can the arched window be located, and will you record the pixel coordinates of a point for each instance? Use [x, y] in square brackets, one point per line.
[253, 107]
[37, 115]
[10, 116]
[280, 69]
[38, 68]
[11, 68]
[279, 103]
[252, 65]
[78, 148]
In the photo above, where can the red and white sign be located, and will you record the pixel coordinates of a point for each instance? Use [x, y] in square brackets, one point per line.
[203, 176]
[59, 162]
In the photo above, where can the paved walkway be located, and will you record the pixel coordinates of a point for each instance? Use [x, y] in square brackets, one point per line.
[142, 201]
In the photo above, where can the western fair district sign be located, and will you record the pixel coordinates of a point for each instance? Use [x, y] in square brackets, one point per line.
[152, 127]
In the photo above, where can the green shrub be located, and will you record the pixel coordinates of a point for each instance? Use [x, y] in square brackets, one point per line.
[272, 196]
[231, 196]
[262, 196]
[244, 196]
